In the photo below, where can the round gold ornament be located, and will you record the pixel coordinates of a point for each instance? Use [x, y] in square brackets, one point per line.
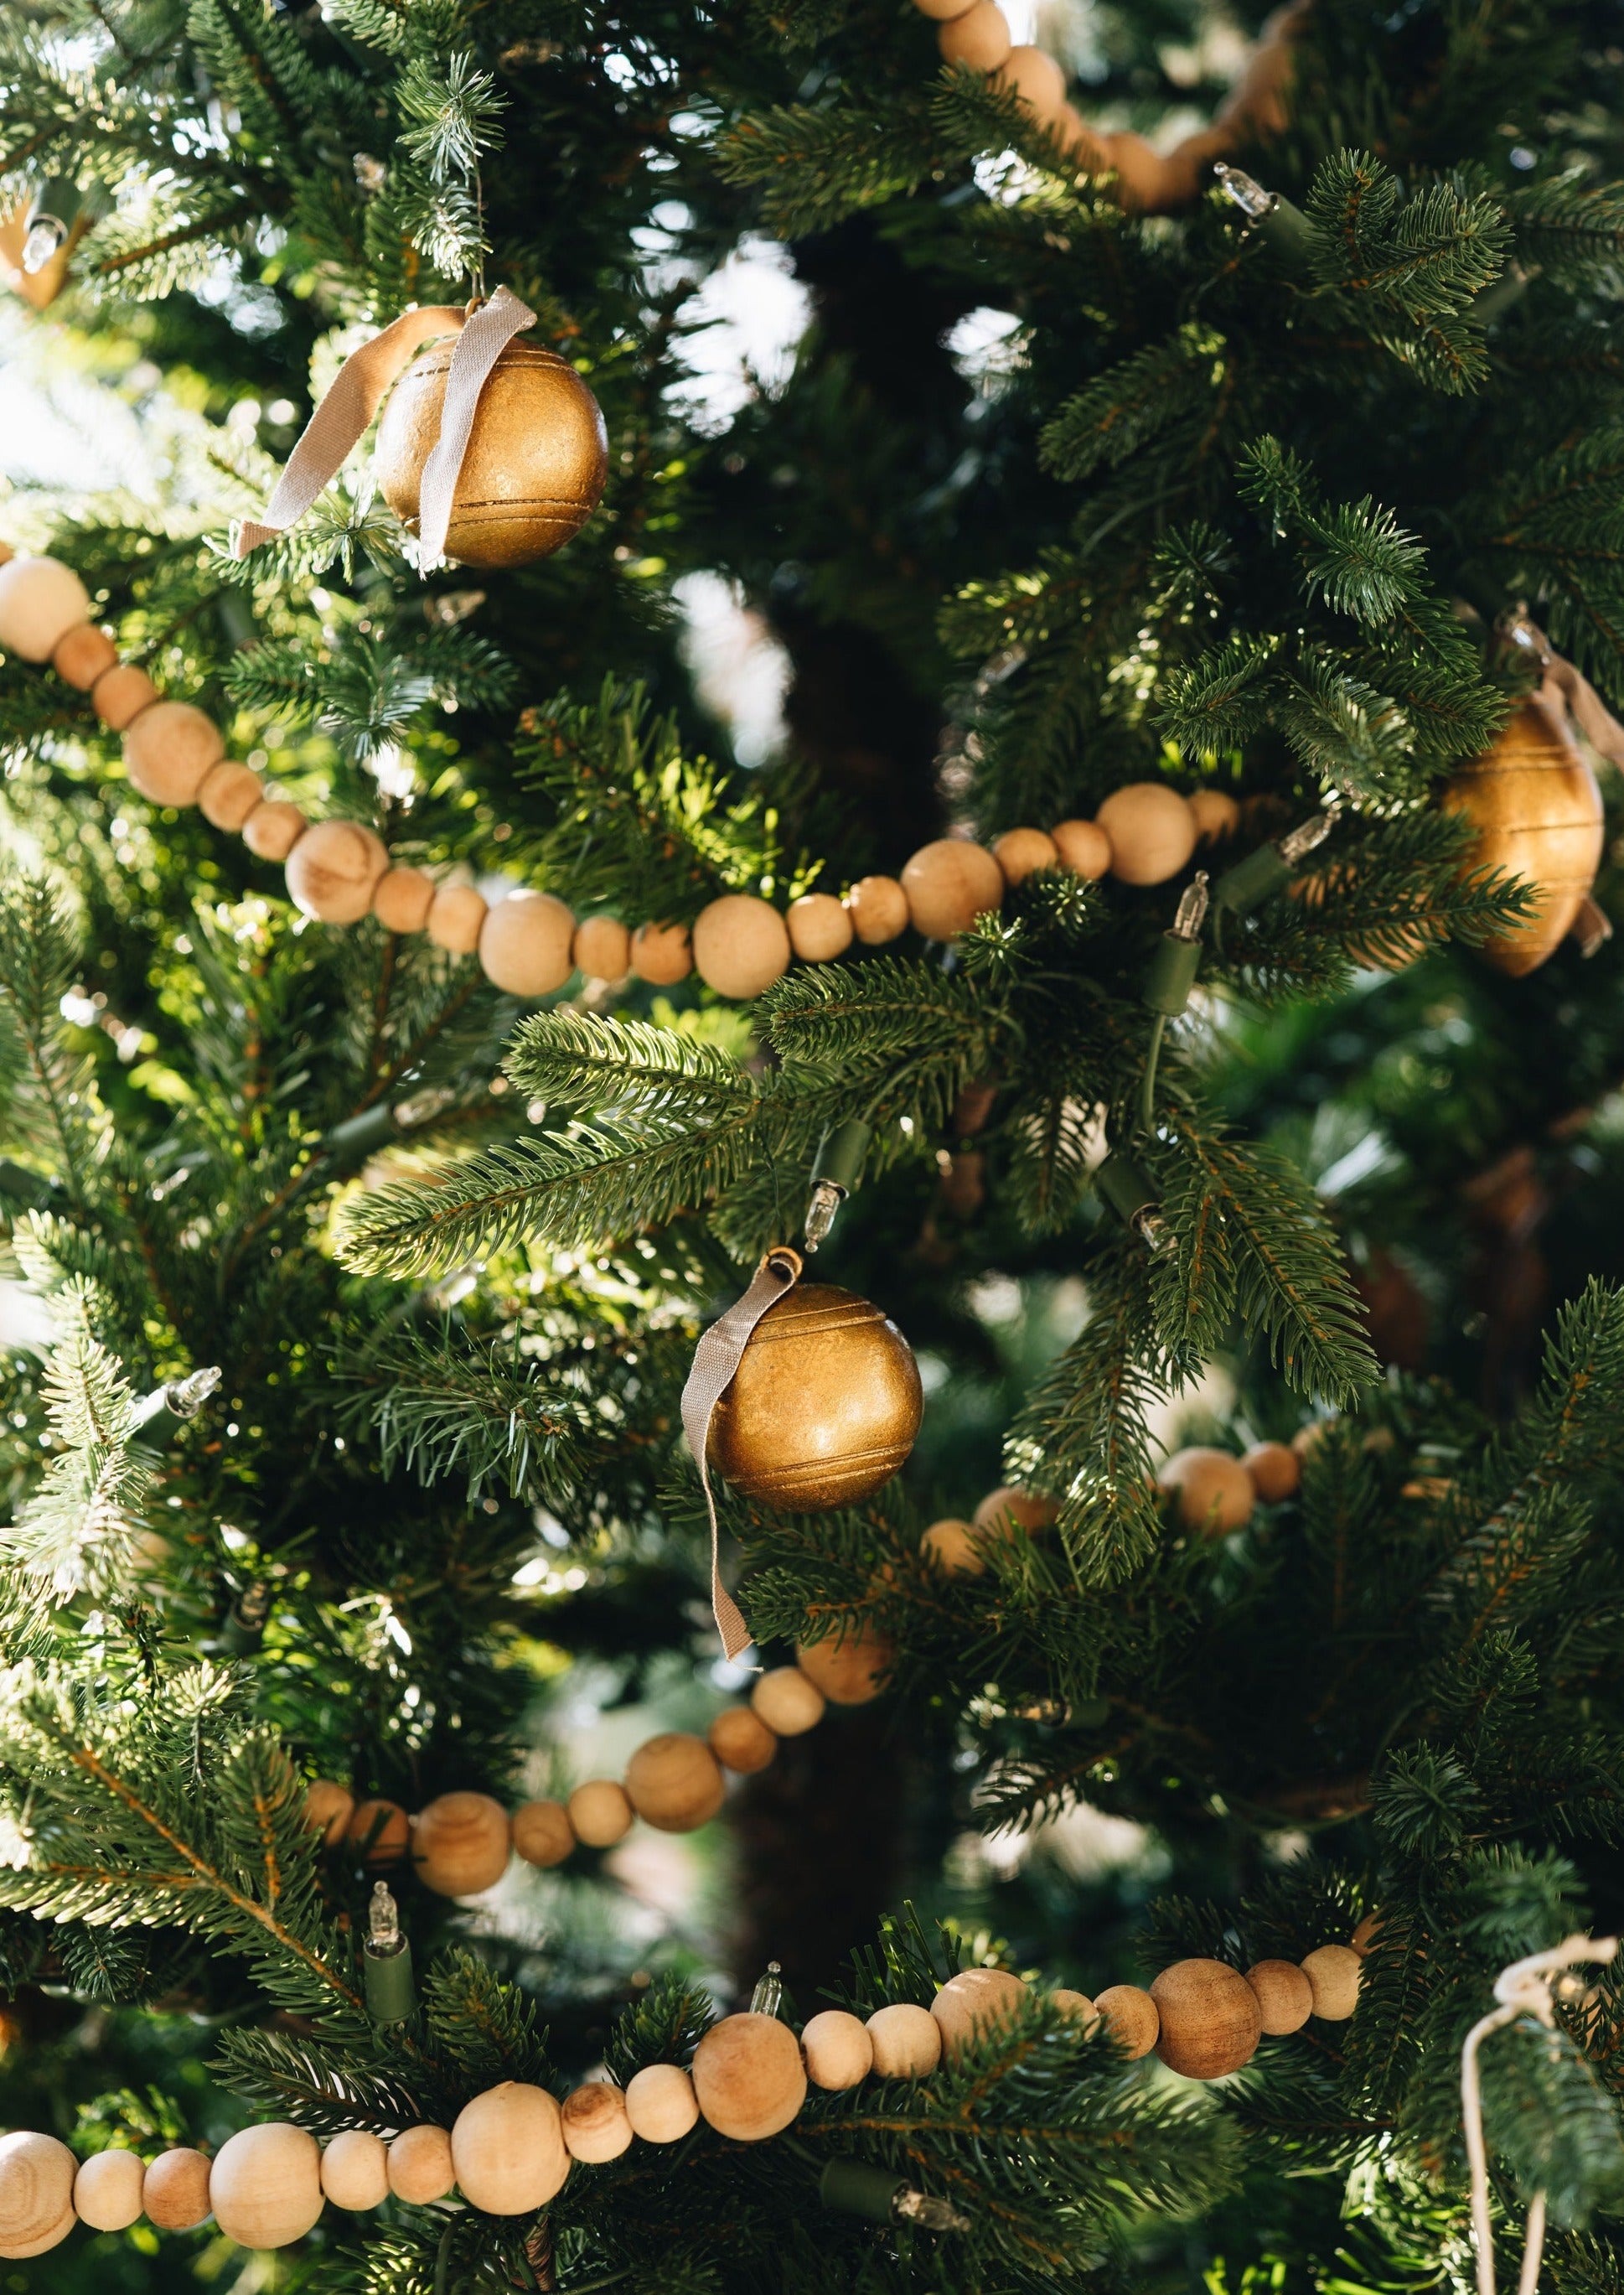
[825, 1403]
[1534, 804]
[535, 462]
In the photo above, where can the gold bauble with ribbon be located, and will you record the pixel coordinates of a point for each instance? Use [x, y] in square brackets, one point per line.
[1537, 810]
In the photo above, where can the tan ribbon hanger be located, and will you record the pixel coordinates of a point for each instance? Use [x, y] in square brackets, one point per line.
[1584, 704]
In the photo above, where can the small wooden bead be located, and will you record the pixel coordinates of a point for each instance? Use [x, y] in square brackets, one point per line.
[526, 943]
[742, 945]
[1018, 851]
[170, 750]
[955, 1547]
[602, 948]
[951, 882]
[596, 2127]
[355, 2169]
[333, 870]
[741, 1741]
[975, 2003]
[420, 2167]
[748, 2077]
[508, 2149]
[1076, 2008]
[1083, 847]
[907, 2041]
[1363, 1939]
[1214, 1491]
[1286, 1997]
[980, 39]
[119, 695]
[328, 1811]
[1307, 1438]
[41, 600]
[1210, 2019]
[878, 906]
[850, 1668]
[1034, 75]
[1145, 179]
[265, 2187]
[456, 918]
[1276, 1471]
[1130, 2017]
[1334, 1971]
[107, 2189]
[274, 828]
[787, 1701]
[1216, 814]
[543, 1833]
[228, 794]
[943, 11]
[600, 1812]
[661, 2103]
[674, 1782]
[1084, 145]
[1029, 1510]
[1152, 831]
[82, 655]
[382, 1829]
[838, 2048]
[821, 926]
[662, 954]
[402, 899]
[459, 1844]
[175, 2190]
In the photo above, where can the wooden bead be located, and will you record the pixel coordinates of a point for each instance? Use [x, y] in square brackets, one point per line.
[1216, 814]
[170, 750]
[420, 2167]
[980, 39]
[1210, 2019]
[1152, 831]
[1214, 1491]
[600, 1812]
[951, 882]
[907, 2041]
[602, 948]
[787, 1701]
[1080, 141]
[328, 1811]
[266, 2185]
[1535, 805]
[1083, 847]
[850, 1668]
[1286, 1997]
[742, 945]
[1076, 2008]
[1130, 2017]
[838, 2048]
[975, 2004]
[1145, 180]
[119, 695]
[878, 906]
[820, 927]
[662, 954]
[1276, 1471]
[526, 943]
[1307, 1439]
[456, 919]
[227, 794]
[333, 870]
[955, 1547]
[543, 1833]
[508, 2149]
[1363, 1939]
[107, 2189]
[380, 1828]
[943, 11]
[661, 2103]
[741, 1741]
[1019, 851]
[1334, 1971]
[402, 899]
[80, 655]
[41, 600]
[459, 1844]
[174, 2192]
[674, 1782]
[596, 2127]
[1034, 75]
[748, 2077]
[355, 2169]
[274, 828]
[1029, 1510]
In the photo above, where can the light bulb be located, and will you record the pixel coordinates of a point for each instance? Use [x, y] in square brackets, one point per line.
[45, 238]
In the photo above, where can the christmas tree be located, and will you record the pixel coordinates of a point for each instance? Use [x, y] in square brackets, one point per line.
[1060, 776]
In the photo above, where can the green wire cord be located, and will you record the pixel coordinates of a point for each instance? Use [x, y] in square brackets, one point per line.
[1147, 1088]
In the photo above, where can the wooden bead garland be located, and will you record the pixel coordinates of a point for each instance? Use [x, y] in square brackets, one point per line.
[1130, 2016]
[107, 2190]
[461, 1842]
[174, 2193]
[1284, 1995]
[264, 2185]
[661, 2103]
[421, 2166]
[748, 2077]
[906, 2040]
[1211, 2018]
[838, 2048]
[974, 2003]
[596, 2127]
[41, 601]
[36, 2178]
[508, 2149]
[674, 1782]
[355, 2169]
[1215, 1492]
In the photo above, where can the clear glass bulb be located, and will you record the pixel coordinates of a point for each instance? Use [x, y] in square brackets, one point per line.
[43, 242]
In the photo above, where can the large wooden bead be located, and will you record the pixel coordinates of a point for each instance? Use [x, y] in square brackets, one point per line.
[850, 1668]
[1286, 1997]
[1210, 2019]
[1215, 1492]
[266, 2185]
[1076, 2008]
[600, 1812]
[355, 2169]
[1034, 75]
[1083, 847]
[825, 1403]
[82, 655]
[742, 945]
[1129, 2016]
[333, 870]
[979, 39]
[36, 2173]
[402, 899]
[741, 1741]
[1029, 1510]
[674, 1782]
[1333, 1972]
[820, 927]
[170, 750]
[107, 2190]
[1276, 1471]
[838, 2048]
[460, 1843]
[381, 1829]
[174, 2193]
[41, 600]
[596, 2127]
[906, 2040]
[421, 2166]
[787, 1701]
[949, 884]
[878, 906]
[1019, 851]
[543, 1833]
[662, 954]
[526, 943]
[274, 828]
[533, 467]
[456, 919]
[1152, 831]
[121, 694]
[228, 794]
[603, 948]
[1216, 814]
[328, 1811]
[955, 1547]
[661, 2103]
[975, 2004]
[1534, 803]
[748, 2077]
[508, 2149]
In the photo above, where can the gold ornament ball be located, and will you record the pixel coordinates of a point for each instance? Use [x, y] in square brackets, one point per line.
[355, 2169]
[460, 1843]
[266, 2185]
[227, 794]
[421, 2166]
[508, 2149]
[41, 600]
[824, 1406]
[174, 2193]
[1076, 2008]
[1284, 1996]
[741, 1741]
[1034, 75]
[603, 948]
[954, 1545]
[83, 653]
[1333, 1972]
[170, 750]
[1216, 814]
[274, 828]
[748, 2077]
[1152, 831]
[402, 899]
[1215, 1492]
[1276, 1470]
[787, 1701]
[949, 884]
[1130, 2017]
[1083, 847]
[662, 954]
[107, 2190]
[526, 944]
[850, 1668]
[975, 2003]
[661, 2103]
[980, 39]
[674, 1782]
[1019, 851]
[535, 465]
[381, 1829]
[820, 927]
[838, 2048]
[456, 919]
[742, 945]
[600, 1812]
[36, 2173]
[328, 1811]
[907, 2041]
[1538, 812]
[333, 869]
[543, 1833]
[878, 906]
[1029, 1510]
[119, 695]
[596, 2127]
[1210, 2019]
